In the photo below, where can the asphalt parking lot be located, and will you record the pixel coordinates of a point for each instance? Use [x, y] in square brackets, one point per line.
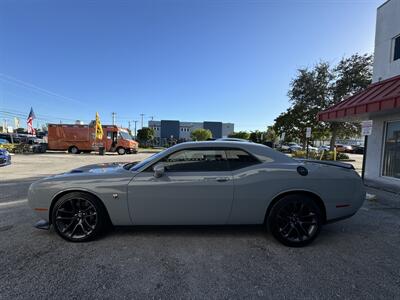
[356, 258]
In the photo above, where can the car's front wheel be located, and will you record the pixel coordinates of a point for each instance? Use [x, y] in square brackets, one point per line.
[78, 217]
[121, 151]
[295, 220]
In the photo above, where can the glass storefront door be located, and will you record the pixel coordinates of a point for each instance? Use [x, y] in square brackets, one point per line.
[391, 156]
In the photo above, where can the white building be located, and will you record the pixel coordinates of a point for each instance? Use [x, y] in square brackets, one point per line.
[380, 102]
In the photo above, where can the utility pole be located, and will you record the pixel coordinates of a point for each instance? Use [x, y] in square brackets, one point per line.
[129, 126]
[142, 115]
[113, 114]
[135, 127]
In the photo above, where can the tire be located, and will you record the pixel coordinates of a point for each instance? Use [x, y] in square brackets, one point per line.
[79, 217]
[73, 150]
[295, 220]
[121, 151]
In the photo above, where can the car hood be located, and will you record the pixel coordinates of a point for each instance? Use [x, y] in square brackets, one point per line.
[94, 169]
[104, 167]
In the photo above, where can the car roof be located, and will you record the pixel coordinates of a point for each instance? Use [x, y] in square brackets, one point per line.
[253, 148]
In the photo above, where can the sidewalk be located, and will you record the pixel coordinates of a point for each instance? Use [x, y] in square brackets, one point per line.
[386, 198]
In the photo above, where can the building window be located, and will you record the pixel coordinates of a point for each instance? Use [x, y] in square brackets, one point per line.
[391, 156]
[396, 48]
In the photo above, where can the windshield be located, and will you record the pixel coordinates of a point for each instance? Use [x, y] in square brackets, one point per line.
[137, 166]
[125, 135]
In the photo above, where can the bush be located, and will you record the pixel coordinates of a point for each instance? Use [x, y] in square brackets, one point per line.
[9, 147]
[327, 155]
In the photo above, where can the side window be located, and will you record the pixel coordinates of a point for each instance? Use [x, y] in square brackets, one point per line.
[240, 159]
[197, 160]
[109, 135]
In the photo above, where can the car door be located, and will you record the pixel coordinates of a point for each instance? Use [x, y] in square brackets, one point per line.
[195, 189]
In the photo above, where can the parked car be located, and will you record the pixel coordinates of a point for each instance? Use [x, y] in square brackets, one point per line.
[5, 158]
[324, 148]
[358, 149]
[312, 148]
[3, 142]
[295, 147]
[290, 147]
[11, 137]
[201, 183]
[344, 148]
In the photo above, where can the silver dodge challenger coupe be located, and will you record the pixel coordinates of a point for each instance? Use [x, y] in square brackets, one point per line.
[201, 183]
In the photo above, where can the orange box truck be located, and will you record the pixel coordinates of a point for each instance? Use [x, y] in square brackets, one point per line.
[81, 138]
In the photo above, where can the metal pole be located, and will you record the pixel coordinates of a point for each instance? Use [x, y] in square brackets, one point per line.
[364, 157]
[307, 147]
[113, 117]
[142, 115]
[135, 128]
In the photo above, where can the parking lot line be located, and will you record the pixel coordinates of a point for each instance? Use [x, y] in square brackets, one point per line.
[13, 203]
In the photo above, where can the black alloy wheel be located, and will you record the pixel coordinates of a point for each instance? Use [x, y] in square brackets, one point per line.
[78, 217]
[295, 220]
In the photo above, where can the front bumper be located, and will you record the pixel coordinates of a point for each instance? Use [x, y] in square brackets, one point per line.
[5, 160]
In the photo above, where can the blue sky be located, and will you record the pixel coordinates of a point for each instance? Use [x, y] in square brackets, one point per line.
[228, 61]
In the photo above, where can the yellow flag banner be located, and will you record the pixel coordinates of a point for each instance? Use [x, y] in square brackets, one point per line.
[99, 128]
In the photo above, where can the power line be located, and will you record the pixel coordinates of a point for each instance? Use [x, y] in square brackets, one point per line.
[37, 88]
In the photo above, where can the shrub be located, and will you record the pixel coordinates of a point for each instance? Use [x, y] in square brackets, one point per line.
[9, 147]
[327, 155]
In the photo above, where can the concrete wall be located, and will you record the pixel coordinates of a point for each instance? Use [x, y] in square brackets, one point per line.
[156, 125]
[227, 129]
[375, 148]
[387, 28]
[215, 128]
[192, 126]
[169, 128]
[218, 129]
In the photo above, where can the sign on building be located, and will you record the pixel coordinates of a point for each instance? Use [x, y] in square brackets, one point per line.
[366, 127]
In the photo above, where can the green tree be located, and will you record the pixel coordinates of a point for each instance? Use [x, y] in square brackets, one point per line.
[257, 136]
[201, 134]
[352, 75]
[314, 90]
[271, 135]
[240, 135]
[145, 134]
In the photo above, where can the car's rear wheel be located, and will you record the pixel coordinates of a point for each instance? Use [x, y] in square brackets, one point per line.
[78, 217]
[74, 150]
[295, 220]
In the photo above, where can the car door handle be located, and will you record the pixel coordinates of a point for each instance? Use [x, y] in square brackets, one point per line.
[222, 179]
[219, 179]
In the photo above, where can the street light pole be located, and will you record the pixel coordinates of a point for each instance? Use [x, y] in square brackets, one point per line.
[135, 127]
[113, 117]
[142, 115]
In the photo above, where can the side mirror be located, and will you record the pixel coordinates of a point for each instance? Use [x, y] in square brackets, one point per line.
[159, 170]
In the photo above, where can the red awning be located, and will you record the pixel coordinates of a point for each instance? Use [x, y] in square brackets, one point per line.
[379, 96]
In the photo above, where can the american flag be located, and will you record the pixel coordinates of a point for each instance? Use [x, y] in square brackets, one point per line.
[29, 122]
